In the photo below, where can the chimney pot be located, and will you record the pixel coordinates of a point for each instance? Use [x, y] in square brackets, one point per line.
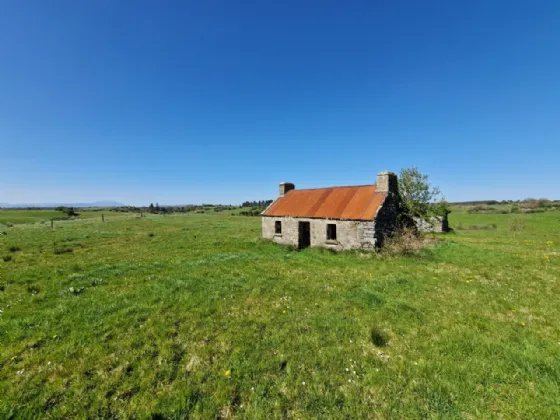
[387, 182]
[285, 187]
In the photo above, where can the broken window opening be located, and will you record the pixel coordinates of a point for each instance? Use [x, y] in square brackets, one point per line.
[331, 232]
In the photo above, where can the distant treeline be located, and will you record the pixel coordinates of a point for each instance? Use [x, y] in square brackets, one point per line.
[529, 205]
[495, 202]
[254, 208]
[262, 203]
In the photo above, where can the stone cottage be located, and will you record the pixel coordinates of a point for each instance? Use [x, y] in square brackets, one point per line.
[359, 217]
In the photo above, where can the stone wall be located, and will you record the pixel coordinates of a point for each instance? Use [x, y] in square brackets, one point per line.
[436, 224]
[386, 219]
[351, 234]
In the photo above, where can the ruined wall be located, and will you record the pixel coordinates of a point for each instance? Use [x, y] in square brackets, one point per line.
[351, 234]
[436, 224]
[386, 219]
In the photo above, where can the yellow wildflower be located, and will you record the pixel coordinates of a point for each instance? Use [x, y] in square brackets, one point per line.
[227, 372]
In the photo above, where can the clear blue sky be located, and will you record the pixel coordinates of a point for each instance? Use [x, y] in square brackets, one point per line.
[219, 101]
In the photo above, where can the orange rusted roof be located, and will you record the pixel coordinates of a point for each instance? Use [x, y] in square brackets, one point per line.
[354, 203]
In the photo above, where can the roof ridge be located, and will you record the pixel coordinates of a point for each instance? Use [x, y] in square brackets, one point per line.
[340, 186]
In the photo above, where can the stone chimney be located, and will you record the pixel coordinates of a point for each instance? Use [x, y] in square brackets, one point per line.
[285, 187]
[387, 182]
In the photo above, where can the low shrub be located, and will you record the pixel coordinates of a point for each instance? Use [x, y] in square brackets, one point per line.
[7, 258]
[492, 226]
[482, 209]
[14, 248]
[405, 241]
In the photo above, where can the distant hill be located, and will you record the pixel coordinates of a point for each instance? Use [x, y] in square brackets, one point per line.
[51, 205]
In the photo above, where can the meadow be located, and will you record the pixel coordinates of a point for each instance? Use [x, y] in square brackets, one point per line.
[195, 316]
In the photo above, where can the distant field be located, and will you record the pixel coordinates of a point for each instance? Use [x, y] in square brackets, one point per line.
[28, 216]
[196, 316]
[536, 206]
[8, 216]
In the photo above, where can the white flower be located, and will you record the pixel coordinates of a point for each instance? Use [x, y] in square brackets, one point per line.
[347, 370]
[303, 383]
[349, 380]
[252, 388]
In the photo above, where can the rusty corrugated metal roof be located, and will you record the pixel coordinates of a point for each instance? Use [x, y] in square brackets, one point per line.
[354, 203]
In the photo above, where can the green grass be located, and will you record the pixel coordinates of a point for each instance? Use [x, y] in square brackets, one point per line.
[25, 216]
[177, 316]
[28, 216]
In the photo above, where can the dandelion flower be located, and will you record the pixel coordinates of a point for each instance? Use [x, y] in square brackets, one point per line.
[522, 324]
[227, 372]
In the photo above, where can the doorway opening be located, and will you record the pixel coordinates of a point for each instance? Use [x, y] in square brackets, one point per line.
[304, 229]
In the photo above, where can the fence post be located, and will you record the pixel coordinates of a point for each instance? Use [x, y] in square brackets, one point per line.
[103, 218]
[52, 223]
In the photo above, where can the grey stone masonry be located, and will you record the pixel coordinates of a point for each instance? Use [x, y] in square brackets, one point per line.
[387, 182]
[436, 224]
[351, 234]
[285, 187]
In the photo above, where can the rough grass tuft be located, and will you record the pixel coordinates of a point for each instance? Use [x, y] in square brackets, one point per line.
[63, 250]
[378, 337]
[33, 289]
[14, 248]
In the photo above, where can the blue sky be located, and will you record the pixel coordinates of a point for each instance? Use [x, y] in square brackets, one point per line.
[219, 101]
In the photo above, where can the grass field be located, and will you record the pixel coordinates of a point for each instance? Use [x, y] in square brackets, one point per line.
[16, 217]
[196, 316]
